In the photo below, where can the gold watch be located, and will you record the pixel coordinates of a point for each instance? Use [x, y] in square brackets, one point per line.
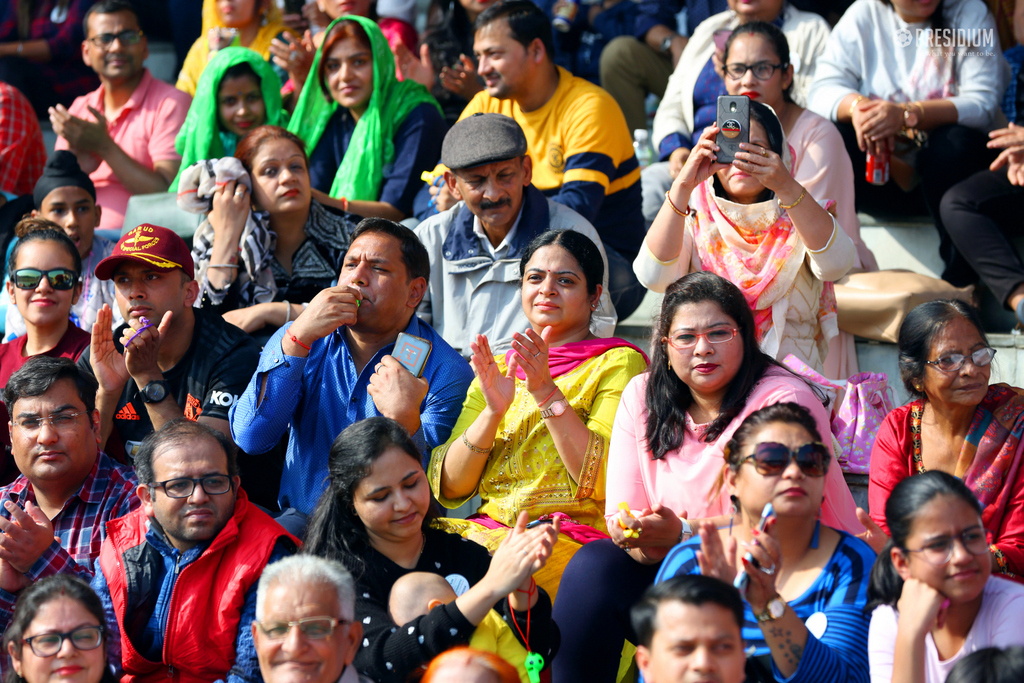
[555, 409]
[775, 608]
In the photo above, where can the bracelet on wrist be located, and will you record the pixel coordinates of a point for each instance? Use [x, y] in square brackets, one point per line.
[287, 312]
[296, 340]
[857, 101]
[473, 447]
[548, 398]
[799, 199]
[676, 208]
[223, 265]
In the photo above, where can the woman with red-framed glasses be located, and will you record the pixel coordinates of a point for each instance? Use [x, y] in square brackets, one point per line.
[707, 373]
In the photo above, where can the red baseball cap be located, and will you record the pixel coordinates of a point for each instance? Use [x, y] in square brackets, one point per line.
[153, 245]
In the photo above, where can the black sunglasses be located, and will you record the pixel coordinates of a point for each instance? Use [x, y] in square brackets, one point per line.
[771, 459]
[59, 278]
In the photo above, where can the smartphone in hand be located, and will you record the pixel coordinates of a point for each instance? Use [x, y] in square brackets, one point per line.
[733, 123]
[742, 579]
[412, 352]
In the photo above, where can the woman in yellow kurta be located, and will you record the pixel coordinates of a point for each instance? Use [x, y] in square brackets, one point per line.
[533, 433]
[256, 24]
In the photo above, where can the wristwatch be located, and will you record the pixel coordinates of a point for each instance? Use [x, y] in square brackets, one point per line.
[555, 409]
[776, 607]
[666, 44]
[686, 532]
[155, 391]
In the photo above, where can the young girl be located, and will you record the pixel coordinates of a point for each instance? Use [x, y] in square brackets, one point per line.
[936, 599]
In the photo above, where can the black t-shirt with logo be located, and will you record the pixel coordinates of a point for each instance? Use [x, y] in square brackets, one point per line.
[207, 381]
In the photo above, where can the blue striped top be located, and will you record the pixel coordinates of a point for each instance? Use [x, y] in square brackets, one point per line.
[837, 645]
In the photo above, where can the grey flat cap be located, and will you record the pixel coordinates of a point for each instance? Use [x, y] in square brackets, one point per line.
[482, 139]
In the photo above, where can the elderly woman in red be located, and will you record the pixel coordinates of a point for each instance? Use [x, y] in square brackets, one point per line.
[959, 424]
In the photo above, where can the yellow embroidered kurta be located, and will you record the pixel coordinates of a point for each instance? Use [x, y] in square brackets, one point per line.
[524, 470]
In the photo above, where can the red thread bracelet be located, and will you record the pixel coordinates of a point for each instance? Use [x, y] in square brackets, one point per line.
[296, 340]
[549, 396]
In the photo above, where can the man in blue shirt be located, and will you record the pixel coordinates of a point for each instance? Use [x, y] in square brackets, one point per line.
[332, 365]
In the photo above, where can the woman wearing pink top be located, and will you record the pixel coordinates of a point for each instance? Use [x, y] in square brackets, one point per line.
[666, 462]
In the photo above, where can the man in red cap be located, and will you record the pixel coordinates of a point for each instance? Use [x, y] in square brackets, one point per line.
[168, 359]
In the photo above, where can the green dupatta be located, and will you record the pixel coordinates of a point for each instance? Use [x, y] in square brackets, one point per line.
[372, 146]
[201, 136]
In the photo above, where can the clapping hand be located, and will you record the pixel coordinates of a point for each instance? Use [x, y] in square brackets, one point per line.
[531, 354]
[521, 554]
[499, 390]
[107, 363]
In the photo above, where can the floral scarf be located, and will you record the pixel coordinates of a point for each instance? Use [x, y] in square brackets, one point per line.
[756, 247]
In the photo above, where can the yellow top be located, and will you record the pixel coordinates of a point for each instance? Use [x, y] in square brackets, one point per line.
[524, 471]
[199, 53]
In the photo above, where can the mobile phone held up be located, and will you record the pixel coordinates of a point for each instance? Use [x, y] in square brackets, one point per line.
[412, 352]
[733, 123]
[742, 580]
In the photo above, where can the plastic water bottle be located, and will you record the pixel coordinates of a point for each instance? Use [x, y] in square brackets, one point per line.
[642, 147]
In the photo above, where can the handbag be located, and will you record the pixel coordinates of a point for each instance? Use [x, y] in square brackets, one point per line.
[873, 304]
[859, 405]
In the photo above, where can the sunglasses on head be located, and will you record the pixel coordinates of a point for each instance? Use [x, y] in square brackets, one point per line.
[59, 278]
[771, 459]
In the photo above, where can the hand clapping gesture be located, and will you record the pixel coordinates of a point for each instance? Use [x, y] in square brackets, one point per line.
[721, 561]
[107, 363]
[499, 390]
[531, 354]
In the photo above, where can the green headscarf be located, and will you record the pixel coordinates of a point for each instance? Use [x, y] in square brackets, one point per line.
[201, 136]
[372, 147]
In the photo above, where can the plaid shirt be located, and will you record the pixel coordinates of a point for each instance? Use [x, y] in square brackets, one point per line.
[22, 151]
[108, 492]
[65, 71]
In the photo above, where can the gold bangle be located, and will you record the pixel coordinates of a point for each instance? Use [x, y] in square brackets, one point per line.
[798, 200]
[676, 208]
[475, 449]
[855, 103]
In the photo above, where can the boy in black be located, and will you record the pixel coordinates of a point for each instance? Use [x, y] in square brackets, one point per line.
[168, 359]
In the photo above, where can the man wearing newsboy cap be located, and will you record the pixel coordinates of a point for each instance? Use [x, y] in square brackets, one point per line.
[168, 360]
[475, 246]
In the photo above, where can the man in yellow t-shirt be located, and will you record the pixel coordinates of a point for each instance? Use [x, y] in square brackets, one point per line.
[576, 135]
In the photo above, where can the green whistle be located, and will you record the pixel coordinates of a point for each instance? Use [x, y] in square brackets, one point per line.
[534, 664]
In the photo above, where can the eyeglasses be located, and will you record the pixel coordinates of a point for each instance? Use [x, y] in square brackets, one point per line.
[49, 644]
[60, 422]
[940, 551]
[213, 485]
[687, 340]
[313, 628]
[955, 361]
[771, 459]
[762, 70]
[128, 37]
[59, 278]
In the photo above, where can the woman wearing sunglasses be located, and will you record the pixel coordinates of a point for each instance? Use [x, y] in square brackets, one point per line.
[958, 424]
[57, 633]
[806, 582]
[932, 591]
[665, 458]
[44, 269]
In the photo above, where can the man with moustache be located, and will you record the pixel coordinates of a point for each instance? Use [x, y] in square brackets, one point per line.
[306, 629]
[53, 516]
[475, 246]
[577, 137]
[177, 577]
[334, 366]
[168, 359]
[123, 133]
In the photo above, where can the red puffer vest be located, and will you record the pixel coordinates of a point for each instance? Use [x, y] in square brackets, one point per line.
[206, 600]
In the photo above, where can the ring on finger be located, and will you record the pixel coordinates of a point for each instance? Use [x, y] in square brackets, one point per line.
[764, 152]
[769, 570]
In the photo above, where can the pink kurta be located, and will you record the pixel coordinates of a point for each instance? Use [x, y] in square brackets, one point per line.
[683, 480]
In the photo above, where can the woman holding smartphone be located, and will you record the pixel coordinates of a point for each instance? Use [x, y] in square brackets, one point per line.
[806, 583]
[752, 223]
[937, 600]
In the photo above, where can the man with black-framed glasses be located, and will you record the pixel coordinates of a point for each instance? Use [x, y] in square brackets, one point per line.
[178, 576]
[123, 133]
[53, 516]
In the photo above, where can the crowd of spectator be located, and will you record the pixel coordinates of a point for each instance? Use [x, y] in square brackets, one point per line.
[269, 324]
